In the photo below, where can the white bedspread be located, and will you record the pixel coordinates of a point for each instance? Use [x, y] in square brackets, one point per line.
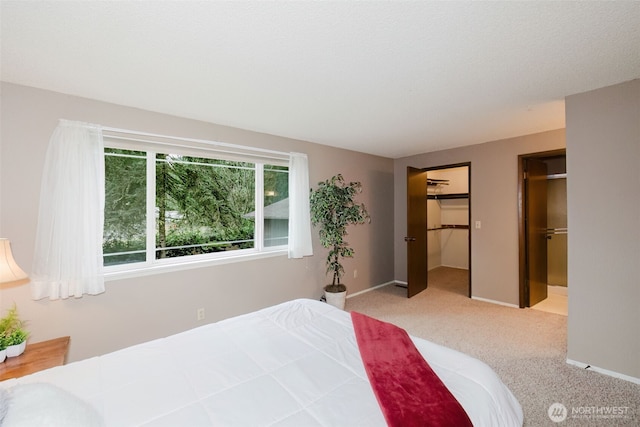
[294, 364]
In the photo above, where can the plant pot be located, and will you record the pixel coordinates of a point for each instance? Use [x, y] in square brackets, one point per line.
[3, 355]
[16, 350]
[336, 299]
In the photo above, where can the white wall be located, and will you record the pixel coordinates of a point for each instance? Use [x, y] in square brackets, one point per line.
[455, 242]
[603, 192]
[140, 309]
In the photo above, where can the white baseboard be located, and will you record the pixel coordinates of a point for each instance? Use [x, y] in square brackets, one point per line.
[401, 283]
[496, 302]
[604, 371]
[370, 289]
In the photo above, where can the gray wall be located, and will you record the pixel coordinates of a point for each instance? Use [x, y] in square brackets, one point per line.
[139, 309]
[494, 202]
[603, 191]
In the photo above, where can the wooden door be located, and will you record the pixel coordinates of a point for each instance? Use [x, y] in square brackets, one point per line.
[416, 237]
[536, 229]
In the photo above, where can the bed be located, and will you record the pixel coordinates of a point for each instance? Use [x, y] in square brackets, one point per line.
[293, 364]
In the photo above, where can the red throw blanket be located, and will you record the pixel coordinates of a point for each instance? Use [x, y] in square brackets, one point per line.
[408, 391]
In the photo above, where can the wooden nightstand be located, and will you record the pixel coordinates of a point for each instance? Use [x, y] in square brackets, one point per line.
[36, 357]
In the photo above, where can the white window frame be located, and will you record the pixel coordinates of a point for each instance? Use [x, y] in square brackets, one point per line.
[151, 144]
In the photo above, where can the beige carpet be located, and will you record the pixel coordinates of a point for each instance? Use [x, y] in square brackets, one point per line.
[527, 348]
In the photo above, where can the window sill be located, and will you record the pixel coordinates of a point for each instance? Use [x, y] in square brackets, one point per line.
[187, 265]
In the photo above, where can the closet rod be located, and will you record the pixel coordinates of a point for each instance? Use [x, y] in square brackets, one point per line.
[557, 176]
[449, 227]
[561, 230]
[448, 196]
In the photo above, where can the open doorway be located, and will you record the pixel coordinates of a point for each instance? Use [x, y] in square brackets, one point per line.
[542, 196]
[448, 244]
[438, 237]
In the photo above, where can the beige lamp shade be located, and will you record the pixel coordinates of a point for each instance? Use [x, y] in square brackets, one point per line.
[9, 270]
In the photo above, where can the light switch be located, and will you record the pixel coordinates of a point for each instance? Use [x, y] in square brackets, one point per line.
[478, 225]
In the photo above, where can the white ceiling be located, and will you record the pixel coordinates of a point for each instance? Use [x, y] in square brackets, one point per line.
[387, 78]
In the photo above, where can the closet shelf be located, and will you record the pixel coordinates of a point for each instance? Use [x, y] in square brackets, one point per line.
[449, 227]
[448, 196]
[435, 182]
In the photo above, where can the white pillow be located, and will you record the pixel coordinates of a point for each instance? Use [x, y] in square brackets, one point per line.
[41, 404]
[4, 403]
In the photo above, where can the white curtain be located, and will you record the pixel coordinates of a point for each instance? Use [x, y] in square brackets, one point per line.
[68, 251]
[299, 212]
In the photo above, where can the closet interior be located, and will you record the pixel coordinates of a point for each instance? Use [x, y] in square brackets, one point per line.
[448, 218]
[557, 221]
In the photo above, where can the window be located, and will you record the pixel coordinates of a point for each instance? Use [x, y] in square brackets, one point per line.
[177, 204]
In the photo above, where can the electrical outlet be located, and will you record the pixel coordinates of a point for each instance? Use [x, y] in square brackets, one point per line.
[200, 314]
[355, 274]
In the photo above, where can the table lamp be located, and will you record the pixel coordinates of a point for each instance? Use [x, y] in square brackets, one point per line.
[10, 272]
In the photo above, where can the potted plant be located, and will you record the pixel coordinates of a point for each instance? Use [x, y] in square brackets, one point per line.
[3, 347]
[16, 342]
[333, 208]
[13, 332]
